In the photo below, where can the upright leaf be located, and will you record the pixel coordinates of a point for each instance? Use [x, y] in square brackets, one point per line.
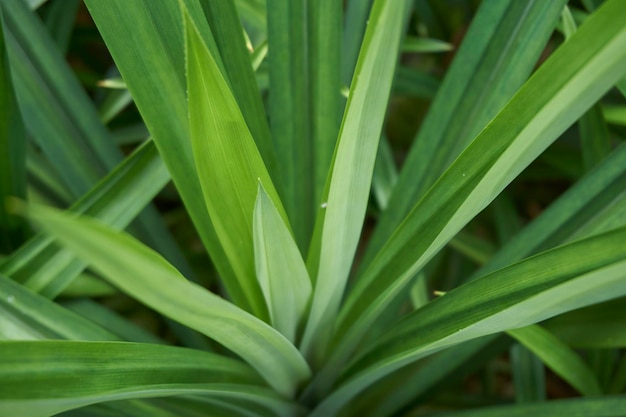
[324, 61]
[229, 164]
[289, 108]
[343, 210]
[225, 24]
[280, 268]
[12, 153]
[156, 57]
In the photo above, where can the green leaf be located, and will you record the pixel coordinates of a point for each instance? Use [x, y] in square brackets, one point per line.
[47, 377]
[289, 107]
[593, 327]
[615, 114]
[27, 315]
[143, 274]
[568, 83]
[577, 213]
[280, 268]
[343, 210]
[497, 54]
[156, 29]
[64, 123]
[229, 164]
[356, 14]
[587, 407]
[12, 153]
[116, 200]
[558, 357]
[415, 44]
[324, 61]
[528, 375]
[590, 271]
[226, 26]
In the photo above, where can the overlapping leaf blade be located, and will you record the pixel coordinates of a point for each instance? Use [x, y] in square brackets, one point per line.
[156, 58]
[568, 83]
[590, 271]
[64, 123]
[12, 153]
[558, 357]
[228, 162]
[117, 199]
[280, 268]
[343, 210]
[497, 55]
[47, 377]
[142, 273]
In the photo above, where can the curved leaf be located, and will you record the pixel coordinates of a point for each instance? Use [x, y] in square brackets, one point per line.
[142, 273]
[47, 377]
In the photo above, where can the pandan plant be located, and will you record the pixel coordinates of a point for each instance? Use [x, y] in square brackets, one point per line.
[339, 284]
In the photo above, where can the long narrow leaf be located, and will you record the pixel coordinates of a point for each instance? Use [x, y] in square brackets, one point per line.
[567, 84]
[588, 407]
[142, 273]
[344, 208]
[289, 107]
[280, 268]
[225, 24]
[558, 357]
[156, 29]
[324, 58]
[497, 55]
[12, 153]
[27, 315]
[229, 164]
[47, 377]
[590, 271]
[117, 199]
[64, 123]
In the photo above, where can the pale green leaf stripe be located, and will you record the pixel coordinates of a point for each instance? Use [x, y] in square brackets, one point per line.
[590, 271]
[155, 57]
[46, 377]
[116, 200]
[289, 109]
[12, 153]
[498, 53]
[349, 183]
[228, 162]
[574, 77]
[144, 274]
[609, 406]
[280, 268]
[27, 315]
[558, 357]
